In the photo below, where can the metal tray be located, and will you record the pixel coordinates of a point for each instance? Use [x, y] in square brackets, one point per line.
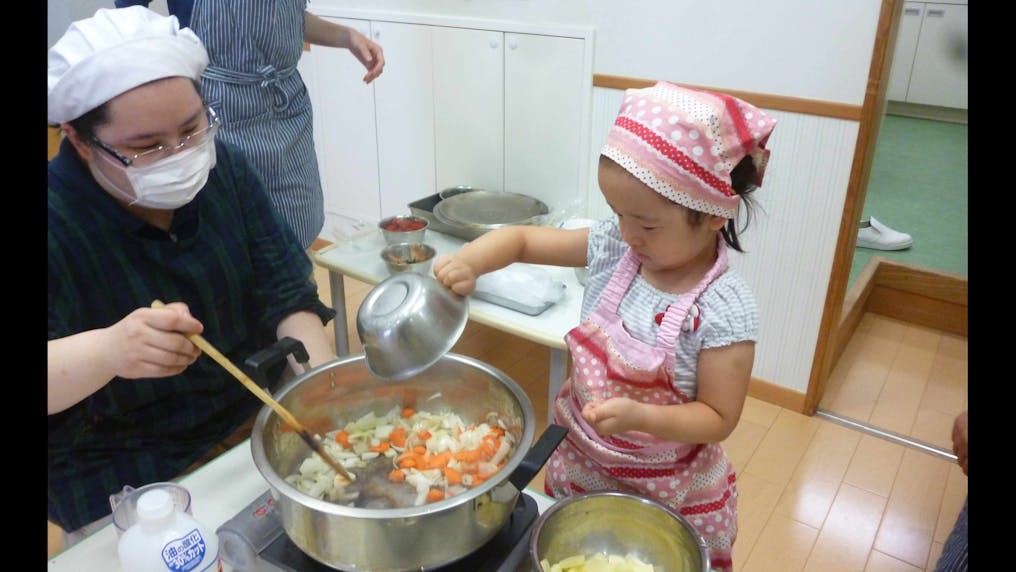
[483, 211]
[511, 304]
[424, 208]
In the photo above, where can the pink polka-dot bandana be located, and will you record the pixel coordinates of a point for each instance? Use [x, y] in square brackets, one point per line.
[683, 143]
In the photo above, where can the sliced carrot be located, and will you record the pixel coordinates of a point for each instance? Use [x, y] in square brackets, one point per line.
[409, 463]
[408, 412]
[381, 447]
[468, 456]
[398, 437]
[487, 449]
[420, 450]
[396, 476]
[423, 435]
[452, 476]
[434, 495]
[439, 460]
[342, 438]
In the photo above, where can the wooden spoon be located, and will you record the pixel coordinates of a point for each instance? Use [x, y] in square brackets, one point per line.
[264, 396]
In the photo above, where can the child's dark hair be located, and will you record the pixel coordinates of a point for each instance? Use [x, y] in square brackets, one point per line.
[742, 180]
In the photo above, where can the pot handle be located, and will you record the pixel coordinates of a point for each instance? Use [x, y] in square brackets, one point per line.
[537, 456]
[266, 366]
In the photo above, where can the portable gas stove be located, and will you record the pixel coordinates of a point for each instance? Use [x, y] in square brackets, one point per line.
[254, 541]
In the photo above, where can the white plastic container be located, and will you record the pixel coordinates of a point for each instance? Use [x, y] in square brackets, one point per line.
[166, 538]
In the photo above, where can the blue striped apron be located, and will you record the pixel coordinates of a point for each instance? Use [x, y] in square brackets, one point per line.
[252, 82]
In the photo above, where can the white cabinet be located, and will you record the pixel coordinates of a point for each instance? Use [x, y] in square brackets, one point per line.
[930, 57]
[404, 113]
[544, 151]
[469, 110]
[343, 108]
[456, 105]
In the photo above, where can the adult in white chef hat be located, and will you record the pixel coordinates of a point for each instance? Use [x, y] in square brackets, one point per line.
[97, 62]
[114, 51]
[128, 400]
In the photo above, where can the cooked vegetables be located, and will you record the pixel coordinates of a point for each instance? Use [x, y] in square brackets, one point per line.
[433, 456]
[598, 563]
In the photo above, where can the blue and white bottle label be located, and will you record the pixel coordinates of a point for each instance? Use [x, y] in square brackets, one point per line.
[185, 553]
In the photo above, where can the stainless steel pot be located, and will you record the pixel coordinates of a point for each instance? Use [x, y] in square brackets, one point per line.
[400, 539]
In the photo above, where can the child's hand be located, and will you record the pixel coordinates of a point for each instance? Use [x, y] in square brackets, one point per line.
[614, 415]
[455, 273]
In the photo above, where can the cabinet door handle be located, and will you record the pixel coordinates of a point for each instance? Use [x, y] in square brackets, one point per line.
[513, 42]
[494, 43]
[377, 34]
[912, 11]
[937, 13]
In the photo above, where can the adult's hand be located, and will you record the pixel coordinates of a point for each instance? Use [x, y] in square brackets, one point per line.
[148, 342]
[369, 53]
[959, 438]
[152, 342]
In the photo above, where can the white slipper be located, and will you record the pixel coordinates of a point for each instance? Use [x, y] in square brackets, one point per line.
[874, 234]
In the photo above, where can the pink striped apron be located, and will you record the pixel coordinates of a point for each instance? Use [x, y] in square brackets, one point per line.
[697, 480]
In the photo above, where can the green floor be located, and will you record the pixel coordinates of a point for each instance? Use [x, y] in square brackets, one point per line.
[918, 186]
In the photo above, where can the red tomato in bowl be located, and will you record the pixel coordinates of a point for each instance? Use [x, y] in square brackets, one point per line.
[404, 225]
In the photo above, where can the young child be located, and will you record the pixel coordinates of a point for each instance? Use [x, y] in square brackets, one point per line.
[663, 355]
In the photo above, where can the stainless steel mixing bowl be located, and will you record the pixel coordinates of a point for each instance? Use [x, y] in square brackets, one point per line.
[415, 257]
[407, 322]
[620, 524]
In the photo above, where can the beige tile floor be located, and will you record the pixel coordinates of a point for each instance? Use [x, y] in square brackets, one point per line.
[902, 378]
[814, 495]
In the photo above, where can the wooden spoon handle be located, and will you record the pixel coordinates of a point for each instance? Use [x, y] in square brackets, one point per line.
[263, 395]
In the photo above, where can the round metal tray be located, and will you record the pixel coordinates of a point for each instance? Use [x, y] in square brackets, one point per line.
[480, 210]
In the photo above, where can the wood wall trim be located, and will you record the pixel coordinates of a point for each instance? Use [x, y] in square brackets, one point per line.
[944, 286]
[918, 309]
[854, 307]
[763, 100]
[920, 296]
[776, 394]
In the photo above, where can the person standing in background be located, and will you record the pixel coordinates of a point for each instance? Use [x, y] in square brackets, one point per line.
[252, 81]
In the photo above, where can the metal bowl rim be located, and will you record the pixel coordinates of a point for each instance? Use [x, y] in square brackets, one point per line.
[559, 505]
[446, 218]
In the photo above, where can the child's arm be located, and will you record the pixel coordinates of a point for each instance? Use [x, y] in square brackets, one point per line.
[723, 375]
[499, 248]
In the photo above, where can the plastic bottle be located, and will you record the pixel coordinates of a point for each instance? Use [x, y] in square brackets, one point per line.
[165, 538]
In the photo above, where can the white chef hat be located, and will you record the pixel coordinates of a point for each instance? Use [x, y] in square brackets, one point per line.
[114, 51]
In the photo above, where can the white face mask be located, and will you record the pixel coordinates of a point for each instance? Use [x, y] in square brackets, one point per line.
[166, 184]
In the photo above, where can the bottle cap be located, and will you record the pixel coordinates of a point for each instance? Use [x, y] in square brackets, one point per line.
[155, 505]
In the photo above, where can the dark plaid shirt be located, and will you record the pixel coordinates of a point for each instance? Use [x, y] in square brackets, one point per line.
[229, 256]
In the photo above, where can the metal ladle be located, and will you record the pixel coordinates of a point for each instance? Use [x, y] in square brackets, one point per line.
[263, 395]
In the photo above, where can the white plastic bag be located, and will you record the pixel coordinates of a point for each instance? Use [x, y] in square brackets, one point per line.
[528, 286]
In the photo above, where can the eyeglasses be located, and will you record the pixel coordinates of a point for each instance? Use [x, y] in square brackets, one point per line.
[155, 154]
